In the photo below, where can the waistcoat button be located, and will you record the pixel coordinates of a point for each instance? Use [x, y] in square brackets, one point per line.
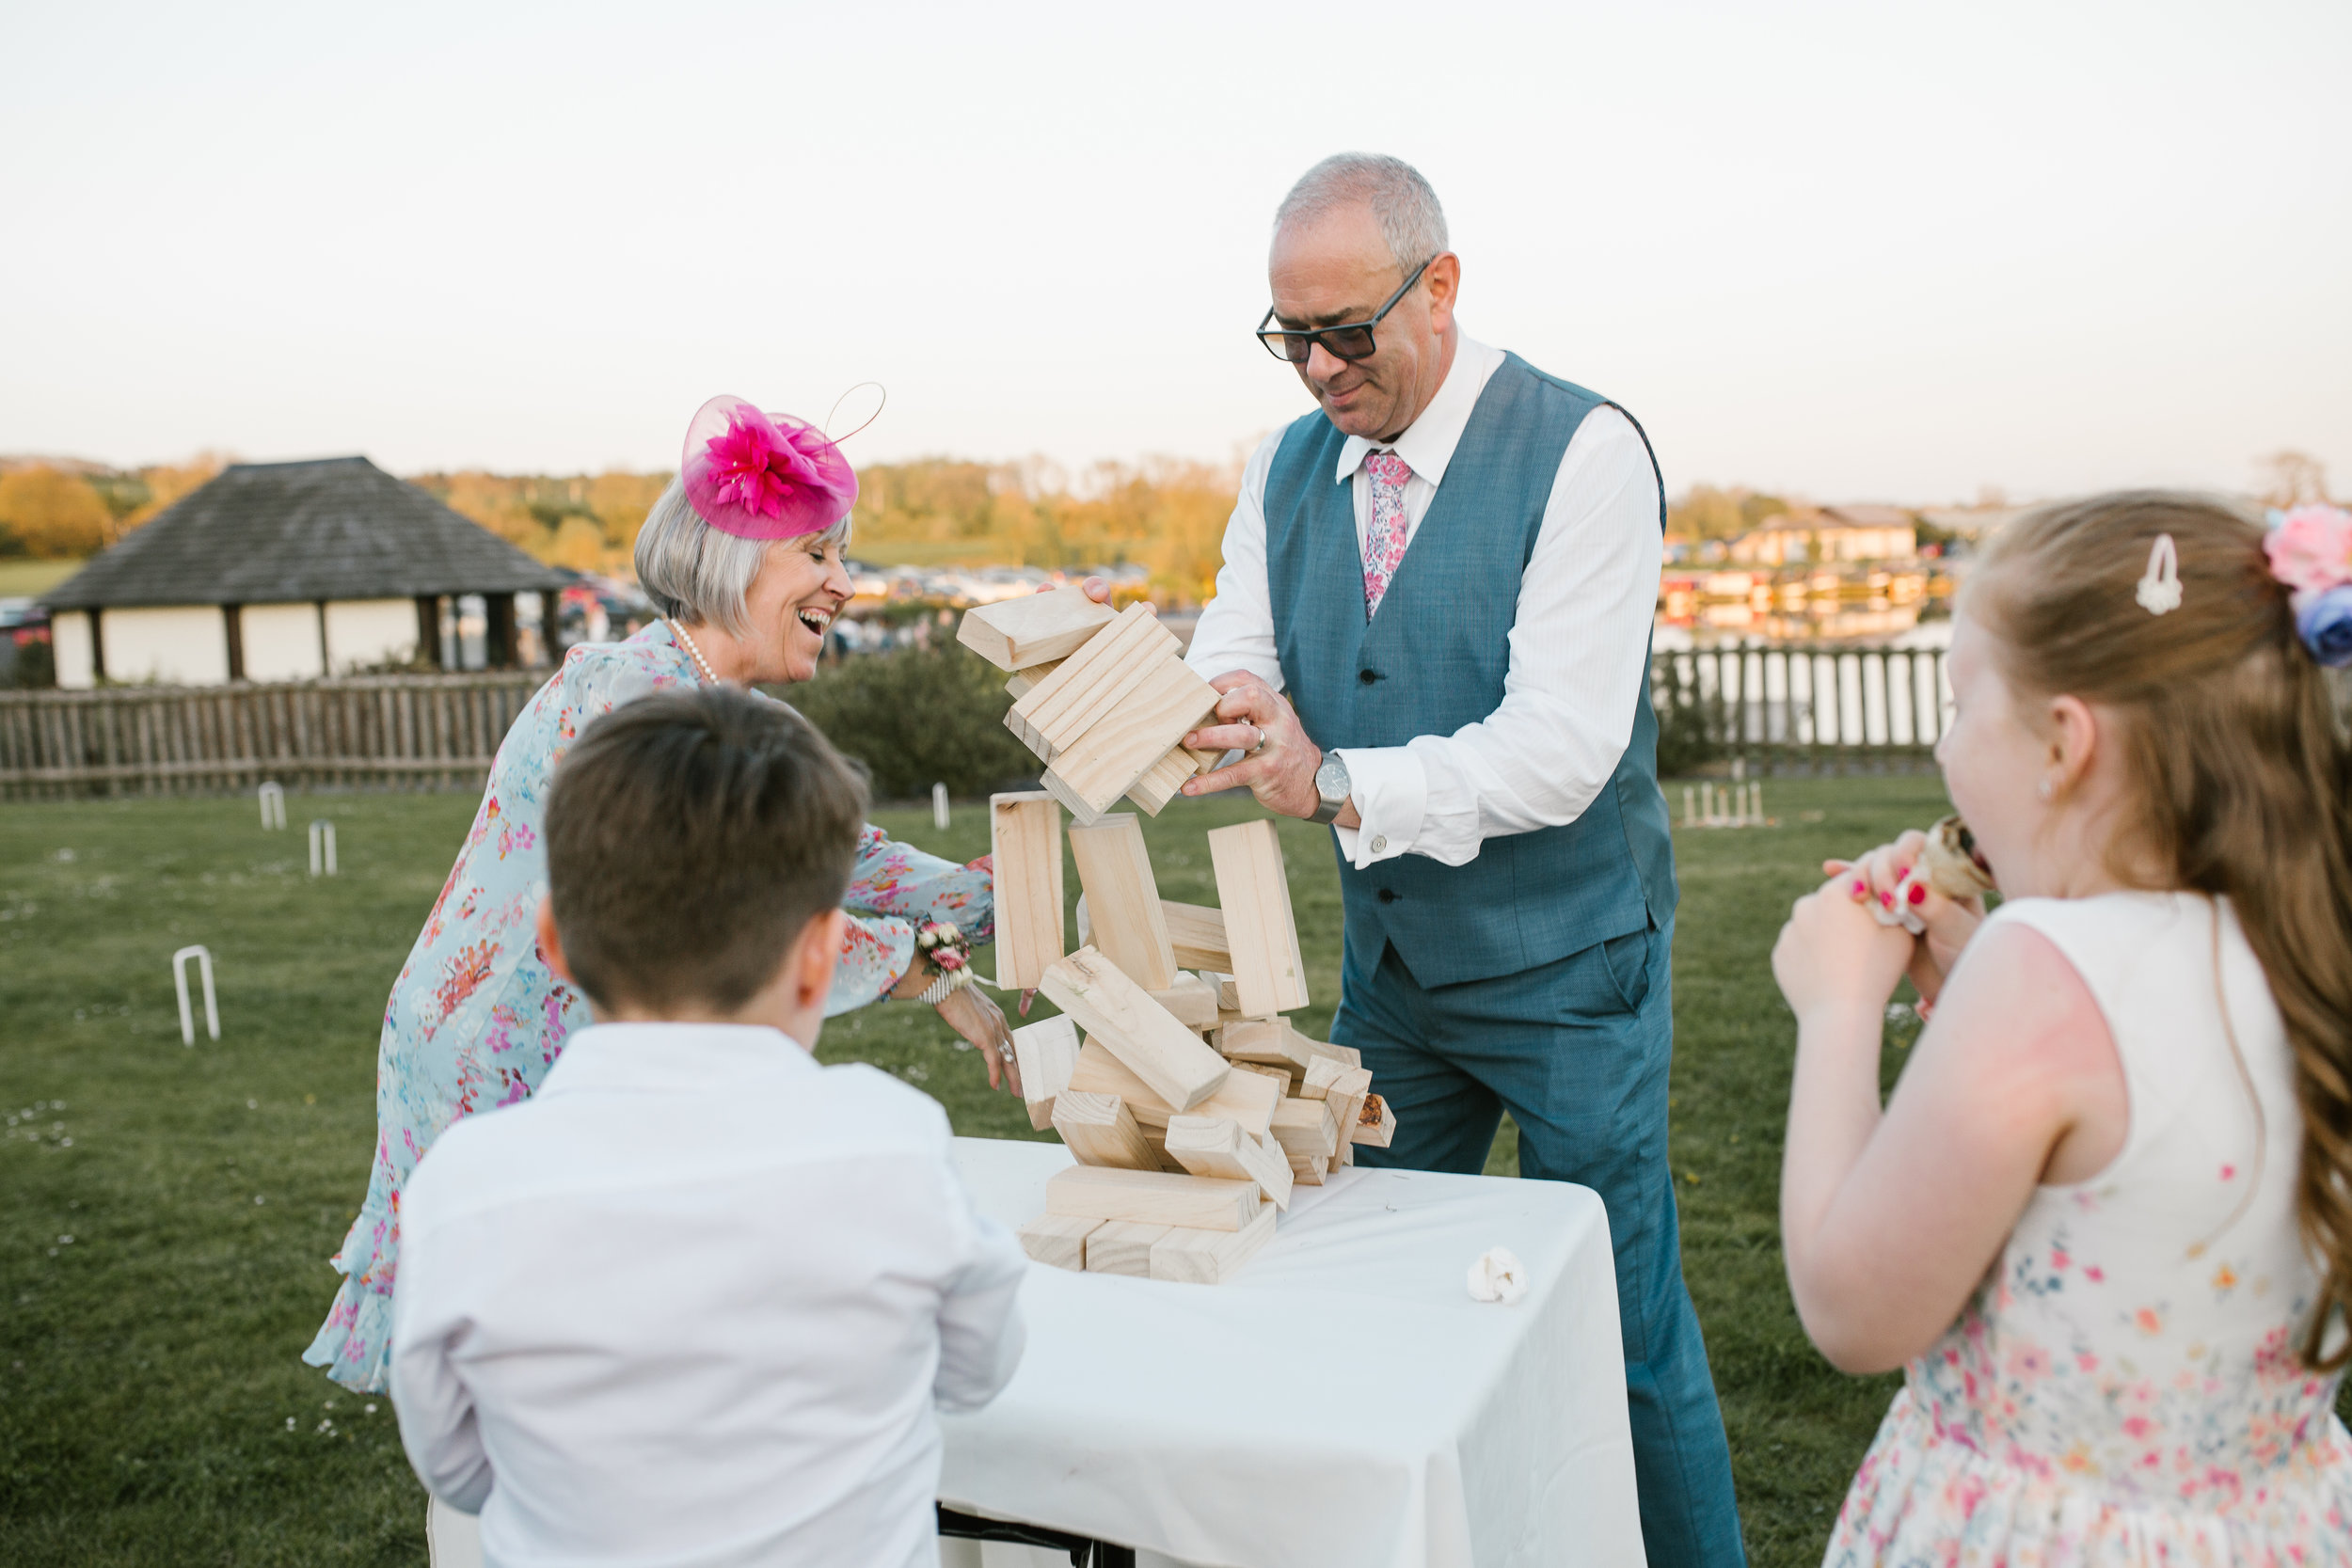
[1367, 677]
[1387, 896]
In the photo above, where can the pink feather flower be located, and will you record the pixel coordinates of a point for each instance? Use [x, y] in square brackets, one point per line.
[757, 465]
[2310, 549]
[761, 476]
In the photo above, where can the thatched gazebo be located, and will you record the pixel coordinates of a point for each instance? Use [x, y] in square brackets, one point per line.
[289, 571]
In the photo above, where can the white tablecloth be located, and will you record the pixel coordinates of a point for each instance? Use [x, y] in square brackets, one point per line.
[1342, 1400]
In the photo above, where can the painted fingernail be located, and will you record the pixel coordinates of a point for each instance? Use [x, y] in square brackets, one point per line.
[1860, 887]
[1886, 900]
[1917, 894]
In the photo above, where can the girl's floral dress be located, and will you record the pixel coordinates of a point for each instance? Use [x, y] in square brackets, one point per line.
[2124, 1386]
[476, 1017]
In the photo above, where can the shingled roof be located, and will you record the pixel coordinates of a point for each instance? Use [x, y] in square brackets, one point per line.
[337, 528]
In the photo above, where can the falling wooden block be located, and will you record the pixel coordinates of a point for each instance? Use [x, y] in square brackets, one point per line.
[1161, 781]
[1269, 974]
[1091, 773]
[1124, 1246]
[1247, 1098]
[1046, 1053]
[1216, 1146]
[1152, 1197]
[1123, 915]
[1138, 1031]
[1345, 1096]
[1100, 1131]
[1375, 1124]
[1191, 1000]
[1093, 680]
[1187, 1256]
[1058, 1240]
[1266, 1039]
[1024, 846]
[1348, 1054]
[1014, 634]
[1329, 1078]
[1304, 1130]
[1197, 934]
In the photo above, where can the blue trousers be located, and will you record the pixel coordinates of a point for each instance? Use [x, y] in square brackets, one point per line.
[1577, 1051]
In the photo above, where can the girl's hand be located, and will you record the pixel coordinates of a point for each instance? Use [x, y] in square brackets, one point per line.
[971, 1012]
[1883, 878]
[1833, 953]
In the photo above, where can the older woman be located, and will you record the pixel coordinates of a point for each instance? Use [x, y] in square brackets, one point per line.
[743, 557]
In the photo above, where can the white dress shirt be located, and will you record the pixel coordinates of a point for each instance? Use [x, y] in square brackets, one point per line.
[1578, 646]
[692, 1303]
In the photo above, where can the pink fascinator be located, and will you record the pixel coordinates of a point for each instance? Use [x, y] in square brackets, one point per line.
[763, 476]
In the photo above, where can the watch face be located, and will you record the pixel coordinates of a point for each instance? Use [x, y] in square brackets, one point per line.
[1331, 779]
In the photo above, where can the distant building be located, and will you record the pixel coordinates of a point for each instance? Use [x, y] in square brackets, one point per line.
[1834, 534]
[289, 571]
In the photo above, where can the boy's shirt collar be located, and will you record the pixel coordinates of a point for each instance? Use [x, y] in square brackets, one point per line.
[677, 1058]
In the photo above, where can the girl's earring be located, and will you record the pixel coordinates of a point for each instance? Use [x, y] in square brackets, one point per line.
[2045, 788]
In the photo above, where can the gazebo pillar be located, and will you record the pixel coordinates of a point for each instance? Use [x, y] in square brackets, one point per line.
[499, 650]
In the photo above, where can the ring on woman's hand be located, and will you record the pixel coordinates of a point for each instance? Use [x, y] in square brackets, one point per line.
[1004, 1050]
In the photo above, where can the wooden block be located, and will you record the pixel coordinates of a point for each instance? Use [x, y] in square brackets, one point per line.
[1304, 1130]
[1045, 1053]
[1191, 1000]
[1216, 1146]
[1138, 1031]
[1279, 1076]
[1124, 916]
[1328, 1078]
[1375, 1124]
[1308, 1170]
[1161, 781]
[1058, 1240]
[1124, 1246]
[1021, 681]
[1227, 994]
[1188, 1257]
[1013, 634]
[1347, 1053]
[1096, 678]
[1152, 1197]
[1024, 846]
[1346, 1099]
[1197, 934]
[1247, 1098]
[1089, 774]
[1266, 1039]
[1256, 895]
[1100, 1131]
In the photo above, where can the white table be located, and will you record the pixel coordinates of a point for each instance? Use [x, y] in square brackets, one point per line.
[1342, 1400]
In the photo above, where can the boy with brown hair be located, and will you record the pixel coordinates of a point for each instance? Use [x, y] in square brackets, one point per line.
[695, 1301]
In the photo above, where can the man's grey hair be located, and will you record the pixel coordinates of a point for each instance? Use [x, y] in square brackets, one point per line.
[1401, 201]
[695, 573]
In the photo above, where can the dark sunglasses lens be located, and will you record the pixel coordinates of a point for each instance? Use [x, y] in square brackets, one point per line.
[1349, 342]
[1283, 345]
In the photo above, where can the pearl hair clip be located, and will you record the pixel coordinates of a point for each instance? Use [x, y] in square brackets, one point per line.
[2160, 585]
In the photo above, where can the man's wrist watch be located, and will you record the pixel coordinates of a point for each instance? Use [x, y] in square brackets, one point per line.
[1332, 789]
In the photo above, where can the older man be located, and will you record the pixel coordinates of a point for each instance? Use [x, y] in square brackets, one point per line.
[1451, 570]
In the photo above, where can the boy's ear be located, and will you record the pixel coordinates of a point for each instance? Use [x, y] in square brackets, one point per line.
[815, 956]
[552, 945]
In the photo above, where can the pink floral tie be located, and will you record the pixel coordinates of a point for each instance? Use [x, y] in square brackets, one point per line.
[1384, 538]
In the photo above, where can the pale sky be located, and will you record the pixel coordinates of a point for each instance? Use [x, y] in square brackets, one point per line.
[1849, 251]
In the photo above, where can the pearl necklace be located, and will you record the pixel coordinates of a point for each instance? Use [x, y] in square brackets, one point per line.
[700, 663]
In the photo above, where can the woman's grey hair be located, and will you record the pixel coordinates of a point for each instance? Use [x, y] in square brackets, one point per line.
[1401, 201]
[697, 574]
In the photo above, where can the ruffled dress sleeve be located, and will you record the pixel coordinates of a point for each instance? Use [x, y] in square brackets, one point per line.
[893, 888]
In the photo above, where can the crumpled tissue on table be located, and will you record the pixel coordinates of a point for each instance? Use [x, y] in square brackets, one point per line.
[1497, 1276]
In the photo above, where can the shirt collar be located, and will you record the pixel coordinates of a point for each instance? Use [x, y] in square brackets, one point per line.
[1427, 444]
[680, 1058]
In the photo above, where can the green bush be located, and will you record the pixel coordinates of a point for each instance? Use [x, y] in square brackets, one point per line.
[918, 716]
[1692, 727]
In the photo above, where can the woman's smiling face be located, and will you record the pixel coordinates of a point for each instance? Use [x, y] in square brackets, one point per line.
[791, 604]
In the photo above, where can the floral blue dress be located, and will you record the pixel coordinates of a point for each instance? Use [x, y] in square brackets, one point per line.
[476, 1017]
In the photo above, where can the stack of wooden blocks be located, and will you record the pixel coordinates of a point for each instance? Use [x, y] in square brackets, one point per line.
[1192, 1105]
[1101, 697]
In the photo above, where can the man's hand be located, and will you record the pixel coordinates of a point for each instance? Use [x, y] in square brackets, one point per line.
[1281, 762]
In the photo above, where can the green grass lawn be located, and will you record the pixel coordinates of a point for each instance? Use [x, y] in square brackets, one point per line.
[152, 1405]
[26, 578]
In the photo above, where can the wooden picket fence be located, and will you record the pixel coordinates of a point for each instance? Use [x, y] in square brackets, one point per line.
[398, 731]
[1796, 708]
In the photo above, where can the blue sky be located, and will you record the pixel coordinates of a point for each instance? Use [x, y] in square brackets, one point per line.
[1848, 251]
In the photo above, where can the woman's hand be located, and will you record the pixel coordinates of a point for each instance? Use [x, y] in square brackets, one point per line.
[971, 1013]
[1832, 954]
[1883, 878]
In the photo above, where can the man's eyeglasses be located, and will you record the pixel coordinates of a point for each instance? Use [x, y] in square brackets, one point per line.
[1350, 340]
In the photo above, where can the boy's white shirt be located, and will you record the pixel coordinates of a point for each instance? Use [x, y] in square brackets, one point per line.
[693, 1302]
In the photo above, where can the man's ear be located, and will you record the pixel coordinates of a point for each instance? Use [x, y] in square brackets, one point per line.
[552, 945]
[1444, 283]
[815, 956]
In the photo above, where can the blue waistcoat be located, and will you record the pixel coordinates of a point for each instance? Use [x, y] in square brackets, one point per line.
[1433, 660]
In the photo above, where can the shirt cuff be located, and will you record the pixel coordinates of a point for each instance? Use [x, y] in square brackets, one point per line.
[1391, 795]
